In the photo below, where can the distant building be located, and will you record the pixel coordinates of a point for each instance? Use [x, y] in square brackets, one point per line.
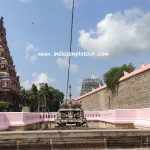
[89, 84]
[9, 81]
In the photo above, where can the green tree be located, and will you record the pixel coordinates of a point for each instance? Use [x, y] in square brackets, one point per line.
[4, 106]
[0, 94]
[111, 78]
[23, 97]
[44, 95]
[58, 97]
[50, 98]
[33, 98]
[45, 99]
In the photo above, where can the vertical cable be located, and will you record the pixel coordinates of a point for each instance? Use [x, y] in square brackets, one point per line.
[70, 49]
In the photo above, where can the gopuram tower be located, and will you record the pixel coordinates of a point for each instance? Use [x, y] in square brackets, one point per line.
[9, 81]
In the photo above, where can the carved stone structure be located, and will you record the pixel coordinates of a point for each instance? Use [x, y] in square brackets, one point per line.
[9, 81]
[71, 114]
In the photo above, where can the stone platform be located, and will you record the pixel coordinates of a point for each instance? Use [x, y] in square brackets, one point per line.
[93, 139]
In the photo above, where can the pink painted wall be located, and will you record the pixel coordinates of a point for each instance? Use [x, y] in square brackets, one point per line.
[143, 120]
[8, 119]
[125, 115]
[143, 113]
[139, 117]
[22, 118]
[4, 123]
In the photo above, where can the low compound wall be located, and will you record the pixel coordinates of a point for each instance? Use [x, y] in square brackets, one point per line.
[118, 118]
[18, 119]
[4, 123]
[143, 120]
[122, 118]
[22, 118]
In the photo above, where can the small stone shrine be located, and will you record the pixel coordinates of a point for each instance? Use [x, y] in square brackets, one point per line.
[71, 114]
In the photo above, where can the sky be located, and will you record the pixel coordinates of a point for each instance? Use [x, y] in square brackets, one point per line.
[117, 30]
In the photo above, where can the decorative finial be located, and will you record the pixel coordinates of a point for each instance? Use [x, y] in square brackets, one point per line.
[70, 95]
[1, 19]
[142, 64]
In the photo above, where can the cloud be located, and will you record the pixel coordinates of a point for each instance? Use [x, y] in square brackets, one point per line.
[37, 79]
[33, 58]
[26, 84]
[78, 90]
[30, 49]
[119, 33]
[69, 3]
[63, 63]
[94, 76]
[25, 1]
[42, 78]
[18, 73]
[79, 86]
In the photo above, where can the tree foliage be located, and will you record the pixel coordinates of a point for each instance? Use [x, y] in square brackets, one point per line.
[43, 99]
[111, 78]
[4, 106]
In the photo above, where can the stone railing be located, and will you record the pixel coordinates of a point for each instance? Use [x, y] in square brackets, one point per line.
[140, 118]
[48, 116]
[92, 115]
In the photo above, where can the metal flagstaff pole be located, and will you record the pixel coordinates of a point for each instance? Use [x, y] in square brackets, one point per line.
[70, 49]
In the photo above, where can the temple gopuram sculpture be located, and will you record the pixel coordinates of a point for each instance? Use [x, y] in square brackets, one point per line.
[9, 81]
[71, 114]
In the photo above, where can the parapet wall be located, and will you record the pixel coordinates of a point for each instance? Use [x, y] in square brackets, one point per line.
[133, 92]
[117, 118]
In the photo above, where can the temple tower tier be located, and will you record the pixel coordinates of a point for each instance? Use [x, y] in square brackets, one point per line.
[9, 81]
